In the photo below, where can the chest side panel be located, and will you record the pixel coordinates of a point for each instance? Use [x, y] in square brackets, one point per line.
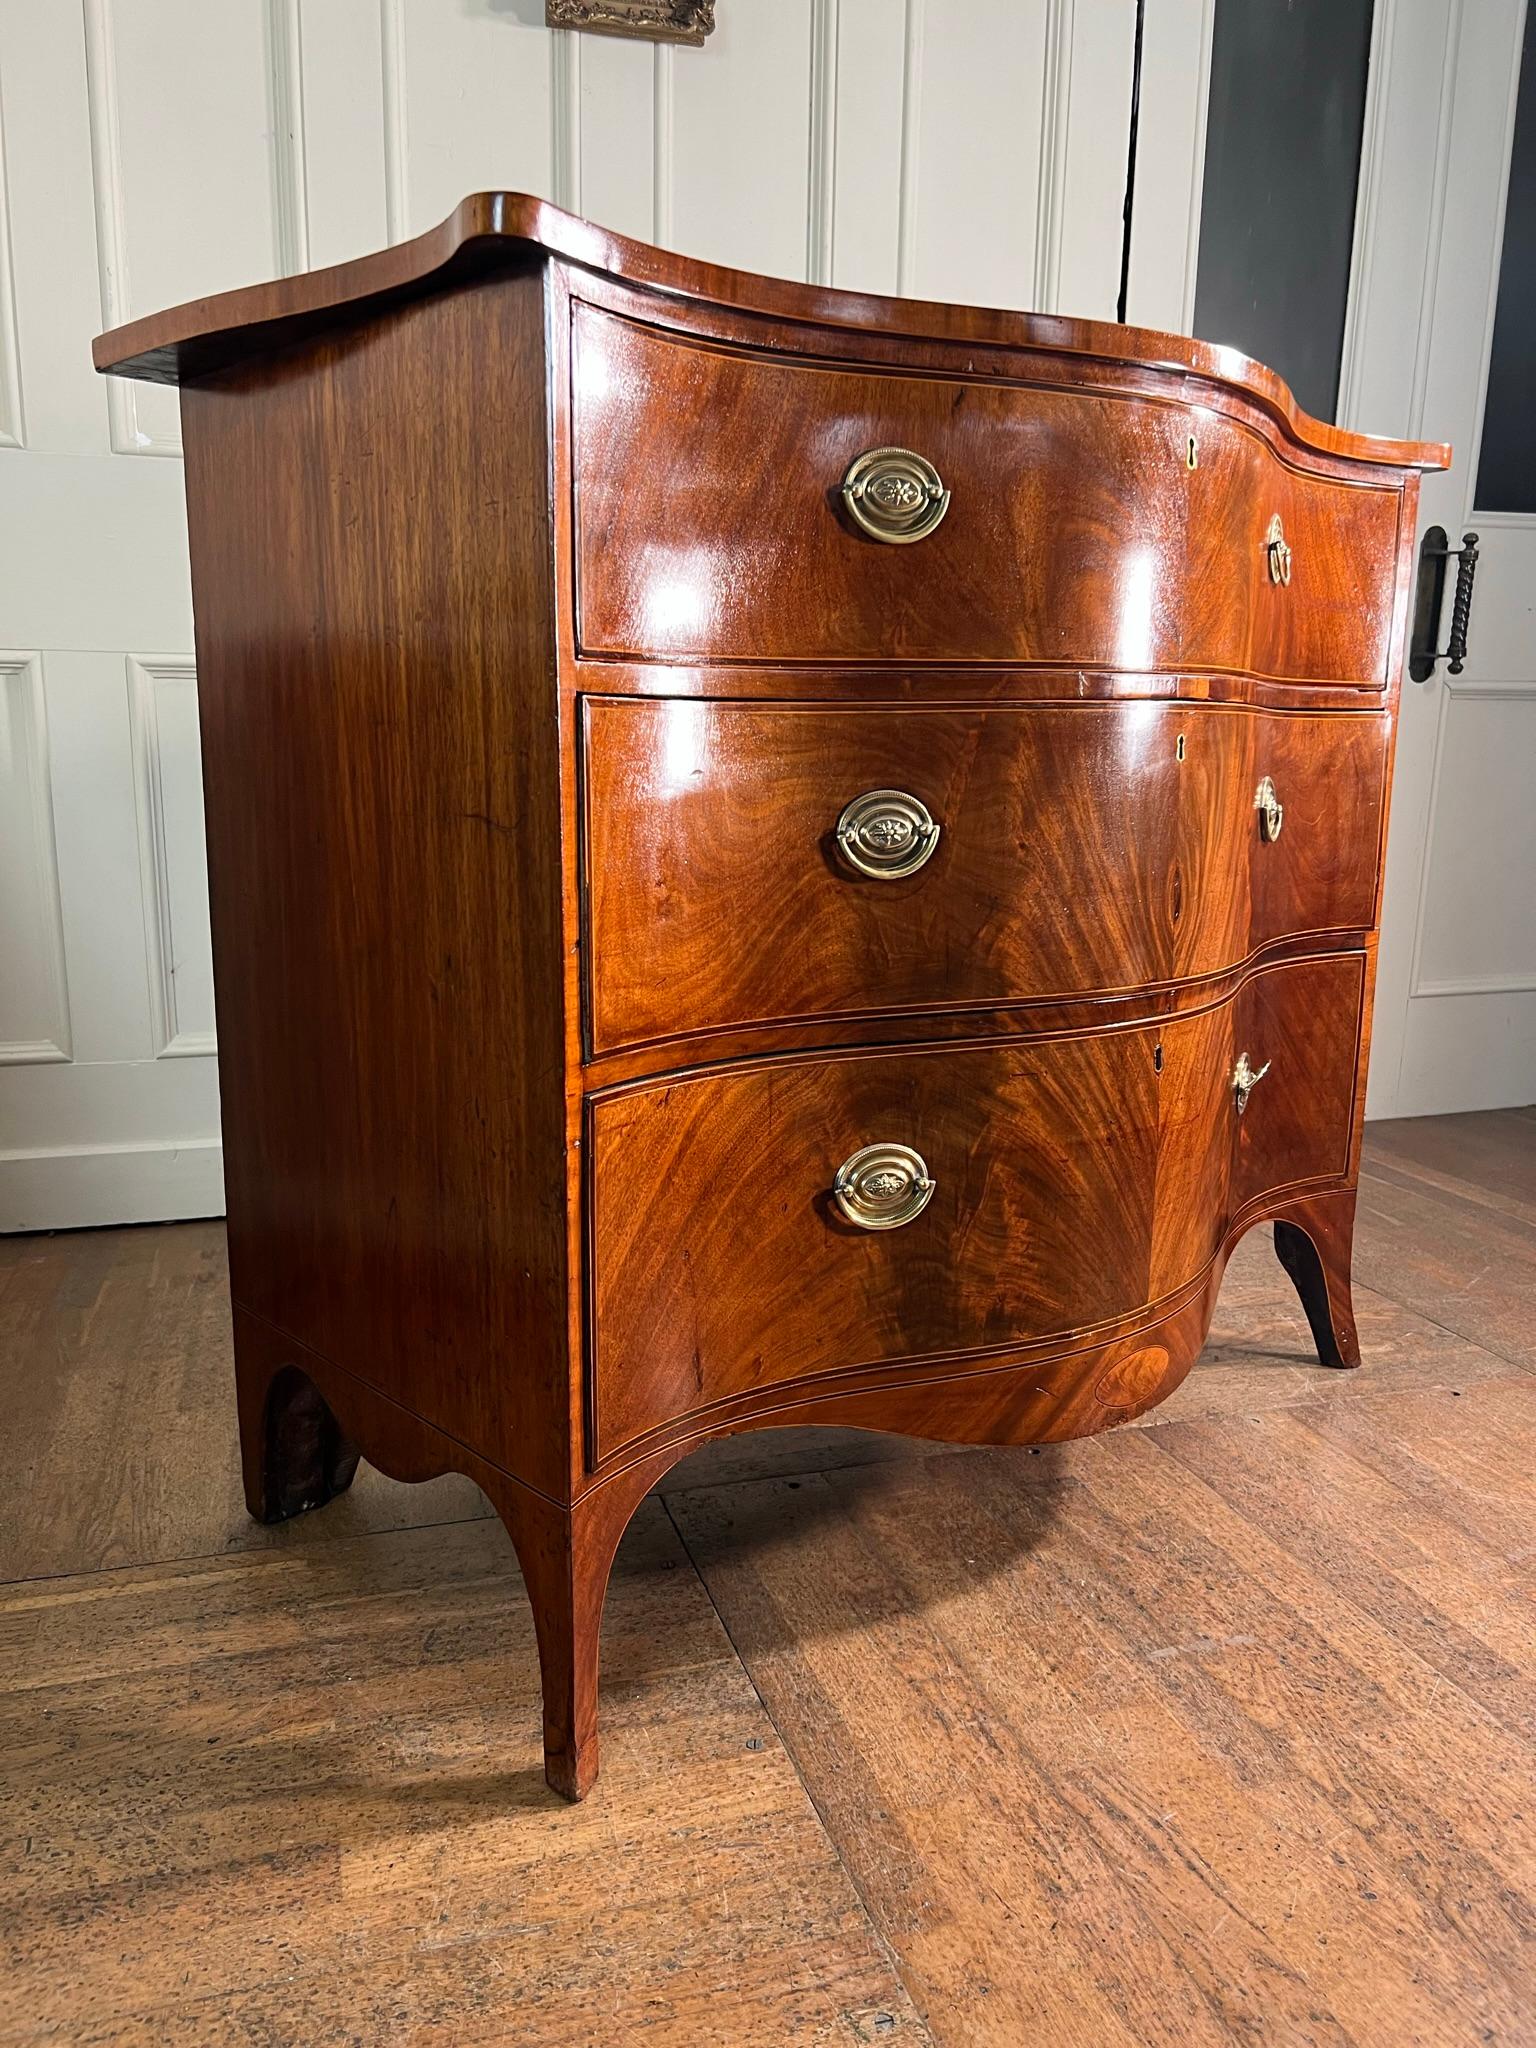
[372, 575]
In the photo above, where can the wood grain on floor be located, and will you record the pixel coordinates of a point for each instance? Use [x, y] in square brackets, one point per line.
[1209, 1733]
[1447, 1225]
[118, 1390]
[1221, 1729]
[299, 1797]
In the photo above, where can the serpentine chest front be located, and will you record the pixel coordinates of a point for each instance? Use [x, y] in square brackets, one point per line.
[775, 858]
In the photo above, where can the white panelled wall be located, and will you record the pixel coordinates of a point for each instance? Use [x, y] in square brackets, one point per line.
[156, 150]
[1455, 1025]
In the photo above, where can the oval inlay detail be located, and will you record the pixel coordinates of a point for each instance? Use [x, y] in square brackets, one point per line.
[1132, 1378]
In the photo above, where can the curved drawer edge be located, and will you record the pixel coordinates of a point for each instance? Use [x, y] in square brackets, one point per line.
[947, 685]
[1087, 1010]
[1047, 1391]
[779, 1041]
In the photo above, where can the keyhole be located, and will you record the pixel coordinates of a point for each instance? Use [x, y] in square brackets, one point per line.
[1157, 1057]
[1192, 453]
[1178, 748]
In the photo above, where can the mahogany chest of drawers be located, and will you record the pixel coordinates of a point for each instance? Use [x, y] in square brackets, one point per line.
[775, 856]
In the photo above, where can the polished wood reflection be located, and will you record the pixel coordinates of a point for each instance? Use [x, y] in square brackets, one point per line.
[1076, 533]
[1076, 1180]
[1081, 849]
[537, 660]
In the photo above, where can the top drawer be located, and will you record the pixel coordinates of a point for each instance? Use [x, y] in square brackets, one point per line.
[711, 523]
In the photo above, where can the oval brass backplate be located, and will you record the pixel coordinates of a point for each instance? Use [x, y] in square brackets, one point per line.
[880, 1187]
[894, 494]
[886, 833]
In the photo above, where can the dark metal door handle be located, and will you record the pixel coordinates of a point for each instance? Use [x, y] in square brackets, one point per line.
[1435, 551]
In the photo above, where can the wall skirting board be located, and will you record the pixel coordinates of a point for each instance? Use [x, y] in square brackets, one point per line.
[76, 1189]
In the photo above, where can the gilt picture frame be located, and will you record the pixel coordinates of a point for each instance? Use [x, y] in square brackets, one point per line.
[660, 21]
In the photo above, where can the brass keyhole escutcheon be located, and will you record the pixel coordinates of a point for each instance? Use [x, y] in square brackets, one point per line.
[894, 495]
[880, 1187]
[1278, 549]
[1266, 802]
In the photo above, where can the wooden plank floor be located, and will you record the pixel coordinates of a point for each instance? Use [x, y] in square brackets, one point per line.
[1217, 1730]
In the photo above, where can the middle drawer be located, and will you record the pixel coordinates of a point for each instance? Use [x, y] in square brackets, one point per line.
[750, 863]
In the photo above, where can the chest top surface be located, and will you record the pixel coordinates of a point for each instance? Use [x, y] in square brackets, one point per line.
[491, 232]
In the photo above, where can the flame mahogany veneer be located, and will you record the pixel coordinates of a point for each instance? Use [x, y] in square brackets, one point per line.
[538, 657]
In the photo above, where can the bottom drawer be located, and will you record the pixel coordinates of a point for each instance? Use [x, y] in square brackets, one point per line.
[1037, 1189]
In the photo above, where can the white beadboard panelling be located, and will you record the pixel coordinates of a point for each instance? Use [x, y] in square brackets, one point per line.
[979, 137]
[119, 1143]
[1368, 195]
[1469, 239]
[1394, 287]
[34, 999]
[1170, 163]
[183, 160]
[1478, 929]
[473, 92]
[93, 553]
[740, 170]
[914, 29]
[156, 150]
[1051, 189]
[131, 433]
[618, 130]
[392, 109]
[1471, 1053]
[664, 145]
[821, 194]
[1405, 160]
[868, 124]
[96, 827]
[1092, 112]
[74, 1108]
[566, 56]
[341, 78]
[290, 175]
[12, 432]
[194, 167]
[52, 232]
[162, 721]
[1454, 1018]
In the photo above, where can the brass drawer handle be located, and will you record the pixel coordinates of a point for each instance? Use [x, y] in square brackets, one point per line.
[894, 495]
[1266, 801]
[1245, 1080]
[880, 1187]
[1278, 549]
[886, 833]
